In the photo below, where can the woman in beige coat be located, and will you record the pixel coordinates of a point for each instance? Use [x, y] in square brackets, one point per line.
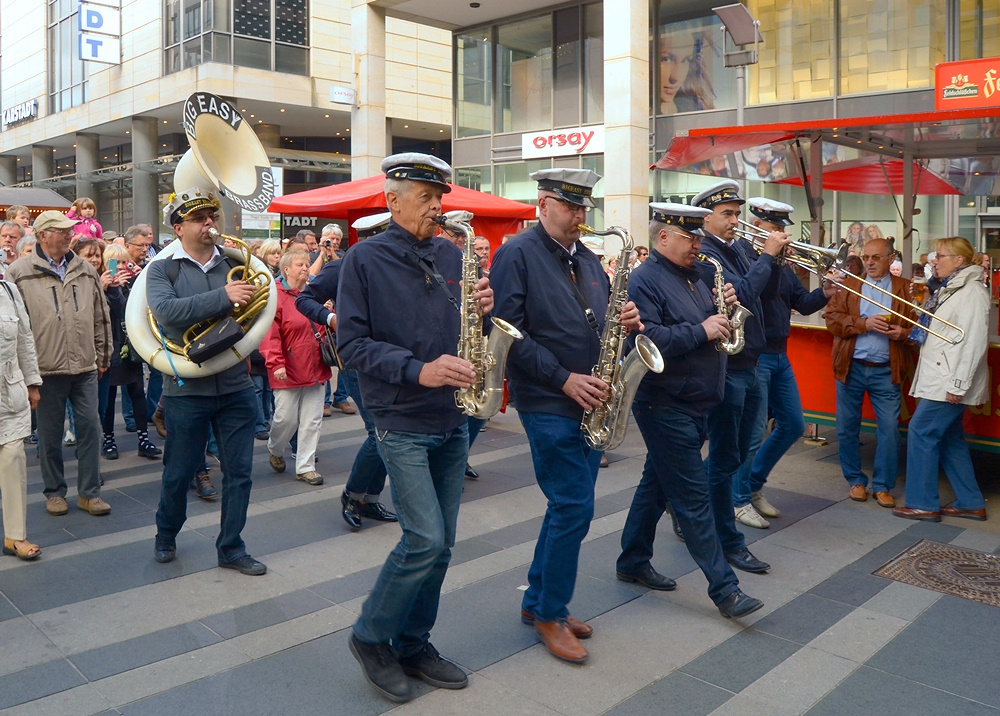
[18, 395]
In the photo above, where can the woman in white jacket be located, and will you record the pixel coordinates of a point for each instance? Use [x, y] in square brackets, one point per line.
[948, 378]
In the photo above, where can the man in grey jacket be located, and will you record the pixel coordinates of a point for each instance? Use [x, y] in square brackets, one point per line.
[191, 290]
[72, 330]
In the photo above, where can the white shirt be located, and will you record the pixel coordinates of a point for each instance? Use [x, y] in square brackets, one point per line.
[217, 258]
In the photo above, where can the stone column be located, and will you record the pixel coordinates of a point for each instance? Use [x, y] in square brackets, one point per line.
[8, 170]
[41, 162]
[626, 120]
[87, 147]
[145, 195]
[370, 140]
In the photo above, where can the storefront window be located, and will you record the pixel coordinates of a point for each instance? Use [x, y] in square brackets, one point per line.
[478, 178]
[593, 64]
[566, 104]
[796, 57]
[890, 44]
[473, 88]
[690, 69]
[513, 182]
[979, 29]
[524, 59]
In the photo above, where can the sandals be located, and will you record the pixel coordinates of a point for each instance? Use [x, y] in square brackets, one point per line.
[22, 549]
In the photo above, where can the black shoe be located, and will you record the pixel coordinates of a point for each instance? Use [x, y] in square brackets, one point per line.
[202, 485]
[352, 511]
[163, 552]
[747, 562]
[381, 669]
[147, 449]
[429, 665]
[130, 427]
[673, 520]
[377, 511]
[649, 577]
[738, 605]
[245, 565]
[109, 450]
[470, 473]
[262, 435]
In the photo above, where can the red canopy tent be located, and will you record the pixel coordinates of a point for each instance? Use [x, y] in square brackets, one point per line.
[872, 176]
[494, 216]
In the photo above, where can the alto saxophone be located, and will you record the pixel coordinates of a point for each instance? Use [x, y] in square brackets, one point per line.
[737, 313]
[605, 427]
[487, 355]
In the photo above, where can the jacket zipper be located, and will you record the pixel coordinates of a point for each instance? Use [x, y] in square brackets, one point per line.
[76, 304]
[55, 300]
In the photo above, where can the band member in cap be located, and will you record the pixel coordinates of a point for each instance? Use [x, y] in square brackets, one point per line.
[177, 296]
[730, 423]
[398, 326]
[670, 408]
[783, 292]
[367, 480]
[553, 288]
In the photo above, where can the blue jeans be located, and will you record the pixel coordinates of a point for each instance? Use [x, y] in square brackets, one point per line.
[566, 471]
[781, 398]
[188, 419]
[884, 396]
[730, 427]
[674, 471]
[475, 425]
[428, 471]
[936, 437]
[368, 472]
[263, 392]
[340, 395]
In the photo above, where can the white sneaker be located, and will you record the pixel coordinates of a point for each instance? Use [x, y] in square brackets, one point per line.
[69, 438]
[751, 518]
[762, 506]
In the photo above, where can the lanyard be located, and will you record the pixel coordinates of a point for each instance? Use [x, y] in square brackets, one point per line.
[427, 264]
[566, 264]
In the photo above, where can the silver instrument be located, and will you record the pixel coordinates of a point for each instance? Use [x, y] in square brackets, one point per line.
[737, 313]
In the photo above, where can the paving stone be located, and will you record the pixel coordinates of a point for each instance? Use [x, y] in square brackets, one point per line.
[23, 645]
[849, 587]
[859, 635]
[234, 622]
[740, 660]
[803, 618]
[801, 680]
[684, 694]
[515, 534]
[37, 681]
[469, 549]
[936, 531]
[7, 610]
[903, 601]
[348, 587]
[101, 663]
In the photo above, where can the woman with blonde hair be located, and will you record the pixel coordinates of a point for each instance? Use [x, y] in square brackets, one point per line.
[948, 378]
[270, 254]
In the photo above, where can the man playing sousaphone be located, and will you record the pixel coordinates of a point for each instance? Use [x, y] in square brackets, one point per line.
[178, 298]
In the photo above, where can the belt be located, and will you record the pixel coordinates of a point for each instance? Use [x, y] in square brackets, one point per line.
[869, 364]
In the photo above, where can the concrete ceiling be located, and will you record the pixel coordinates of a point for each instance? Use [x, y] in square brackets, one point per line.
[456, 14]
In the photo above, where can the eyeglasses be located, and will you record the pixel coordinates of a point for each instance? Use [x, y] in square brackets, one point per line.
[142, 245]
[946, 256]
[873, 257]
[569, 204]
[202, 218]
[61, 232]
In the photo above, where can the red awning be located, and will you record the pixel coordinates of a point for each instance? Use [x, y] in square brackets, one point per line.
[875, 177]
[685, 151]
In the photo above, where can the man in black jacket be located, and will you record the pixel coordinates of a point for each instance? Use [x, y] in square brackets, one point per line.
[398, 326]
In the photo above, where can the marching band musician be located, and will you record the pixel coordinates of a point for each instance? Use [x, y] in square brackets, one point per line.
[783, 292]
[730, 423]
[398, 326]
[552, 287]
[178, 299]
[670, 408]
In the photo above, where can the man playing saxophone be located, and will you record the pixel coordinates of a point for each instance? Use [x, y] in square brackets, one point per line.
[679, 315]
[552, 288]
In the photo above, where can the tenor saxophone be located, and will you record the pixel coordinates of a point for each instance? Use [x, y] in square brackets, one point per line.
[488, 356]
[737, 313]
[605, 426]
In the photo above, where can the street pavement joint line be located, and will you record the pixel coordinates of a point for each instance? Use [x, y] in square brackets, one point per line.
[935, 688]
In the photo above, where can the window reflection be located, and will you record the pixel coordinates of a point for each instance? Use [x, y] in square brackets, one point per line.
[524, 53]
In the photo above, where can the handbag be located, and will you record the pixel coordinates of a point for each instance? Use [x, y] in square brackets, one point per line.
[328, 349]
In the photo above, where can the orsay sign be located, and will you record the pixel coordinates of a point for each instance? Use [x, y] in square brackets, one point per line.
[563, 142]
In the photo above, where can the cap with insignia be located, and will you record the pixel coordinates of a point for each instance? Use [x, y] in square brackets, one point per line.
[771, 211]
[574, 185]
[418, 167]
[721, 193]
[183, 203]
[683, 216]
[368, 226]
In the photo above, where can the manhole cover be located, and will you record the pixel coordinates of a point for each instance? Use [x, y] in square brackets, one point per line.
[949, 569]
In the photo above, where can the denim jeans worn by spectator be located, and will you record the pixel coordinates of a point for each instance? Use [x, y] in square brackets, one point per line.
[263, 393]
[777, 379]
[936, 439]
[427, 477]
[885, 397]
[188, 418]
[368, 472]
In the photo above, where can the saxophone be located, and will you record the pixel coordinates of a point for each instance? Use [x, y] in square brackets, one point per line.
[605, 426]
[487, 355]
[737, 314]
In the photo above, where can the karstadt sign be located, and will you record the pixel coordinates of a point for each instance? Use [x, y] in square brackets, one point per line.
[20, 113]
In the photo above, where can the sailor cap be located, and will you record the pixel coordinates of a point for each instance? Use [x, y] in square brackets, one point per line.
[720, 193]
[418, 167]
[771, 211]
[684, 216]
[574, 185]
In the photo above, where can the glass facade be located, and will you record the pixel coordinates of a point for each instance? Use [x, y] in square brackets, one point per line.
[979, 29]
[265, 34]
[524, 75]
[796, 59]
[474, 88]
[67, 73]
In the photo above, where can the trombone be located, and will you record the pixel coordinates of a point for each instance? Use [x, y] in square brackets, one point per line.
[820, 261]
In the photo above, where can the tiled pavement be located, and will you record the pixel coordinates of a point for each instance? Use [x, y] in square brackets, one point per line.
[96, 626]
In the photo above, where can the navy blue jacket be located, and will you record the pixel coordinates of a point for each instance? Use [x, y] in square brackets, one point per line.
[321, 289]
[748, 277]
[782, 293]
[391, 319]
[672, 303]
[532, 292]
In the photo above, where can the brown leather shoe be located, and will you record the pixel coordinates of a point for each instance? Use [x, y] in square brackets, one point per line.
[952, 511]
[913, 514]
[159, 421]
[858, 493]
[346, 408]
[56, 506]
[95, 505]
[581, 630]
[559, 640]
[884, 499]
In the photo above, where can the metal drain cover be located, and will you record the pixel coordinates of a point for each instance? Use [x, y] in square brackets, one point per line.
[960, 571]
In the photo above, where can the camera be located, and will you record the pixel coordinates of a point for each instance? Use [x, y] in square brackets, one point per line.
[327, 242]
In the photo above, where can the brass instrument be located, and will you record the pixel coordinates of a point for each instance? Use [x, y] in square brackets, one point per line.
[487, 355]
[605, 427]
[820, 261]
[737, 313]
